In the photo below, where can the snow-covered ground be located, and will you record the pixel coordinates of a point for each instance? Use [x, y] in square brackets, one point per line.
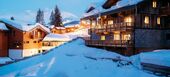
[72, 60]
[158, 57]
[4, 60]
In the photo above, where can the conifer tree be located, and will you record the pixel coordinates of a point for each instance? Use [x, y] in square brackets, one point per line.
[40, 17]
[57, 17]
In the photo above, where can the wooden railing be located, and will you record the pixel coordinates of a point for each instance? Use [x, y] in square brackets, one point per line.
[113, 27]
[114, 43]
[165, 10]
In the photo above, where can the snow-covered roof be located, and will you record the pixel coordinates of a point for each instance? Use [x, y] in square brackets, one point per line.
[56, 37]
[72, 24]
[119, 4]
[22, 26]
[3, 26]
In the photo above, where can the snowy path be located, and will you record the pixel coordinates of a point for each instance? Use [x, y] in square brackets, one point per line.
[70, 60]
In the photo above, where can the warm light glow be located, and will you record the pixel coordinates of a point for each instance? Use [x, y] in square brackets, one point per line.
[126, 37]
[17, 46]
[128, 20]
[116, 35]
[154, 4]
[146, 20]
[158, 20]
[110, 22]
[103, 38]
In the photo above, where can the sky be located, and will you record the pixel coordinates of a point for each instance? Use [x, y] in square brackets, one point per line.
[25, 10]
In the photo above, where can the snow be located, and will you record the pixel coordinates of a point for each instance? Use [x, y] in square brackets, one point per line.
[72, 24]
[4, 60]
[158, 57]
[23, 26]
[3, 26]
[71, 60]
[122, 3]
[56, 37]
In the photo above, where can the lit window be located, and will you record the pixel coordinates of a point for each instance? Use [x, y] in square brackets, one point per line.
[103, 38]
[128, 20]
[39, 34]
[158, 20]
[126, 37]
[110, 22]
[116, 35]
[146, 20]
[154, 4]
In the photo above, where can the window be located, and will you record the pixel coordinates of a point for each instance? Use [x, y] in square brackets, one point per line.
[128, 20]
[110, 22]
[158, 20]
[27, 41]
[103, 38]
[117, 36]
[126, 37]
[35, 41]
[146, 21]
[154, 4]
[39, 34]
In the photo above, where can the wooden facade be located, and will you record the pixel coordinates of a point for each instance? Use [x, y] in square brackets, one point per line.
[131, 29]
[21, 43]
[3, 43]
[58, 30]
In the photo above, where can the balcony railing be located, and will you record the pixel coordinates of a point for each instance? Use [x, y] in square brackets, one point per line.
[113, 27]
[112, 43]
[165, 10]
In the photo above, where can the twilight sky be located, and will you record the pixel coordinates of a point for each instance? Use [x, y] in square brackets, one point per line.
[25, 10]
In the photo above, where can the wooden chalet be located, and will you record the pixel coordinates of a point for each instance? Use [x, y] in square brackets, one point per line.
[129, 26]
[3, 40]
[58, 30]
[23, 40]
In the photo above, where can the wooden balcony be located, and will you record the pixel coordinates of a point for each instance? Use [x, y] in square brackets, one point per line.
[113, 27]
[109, 43]
[165, 10]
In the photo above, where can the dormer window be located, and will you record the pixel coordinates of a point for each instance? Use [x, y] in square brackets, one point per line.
[154, 4]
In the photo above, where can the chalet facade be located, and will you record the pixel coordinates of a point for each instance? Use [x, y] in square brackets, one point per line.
[58, 30]
[129, 26]
[24, 40]
[3, 40]
[53, 40]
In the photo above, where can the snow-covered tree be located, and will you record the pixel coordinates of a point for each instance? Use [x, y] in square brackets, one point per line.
[52, 18]
[57, 17]
[40, 17]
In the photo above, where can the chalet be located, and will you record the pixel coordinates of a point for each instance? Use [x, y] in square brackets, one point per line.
[24, 40]
[71, 26]
[3, 40]
[129, 26]
[53, 40]
[58, 30]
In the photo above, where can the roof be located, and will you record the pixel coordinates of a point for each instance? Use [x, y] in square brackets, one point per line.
[22, 26]
[3, 26]
[72, 24]
[56, 37]
[119, 4]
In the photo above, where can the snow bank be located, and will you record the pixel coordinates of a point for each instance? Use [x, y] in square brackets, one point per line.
[3, 26]
[69, 61]
[3, 60]
[159, 57]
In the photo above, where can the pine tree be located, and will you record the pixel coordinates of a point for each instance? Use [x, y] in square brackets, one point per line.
[58, 18]
[40, 17]
[52, 18]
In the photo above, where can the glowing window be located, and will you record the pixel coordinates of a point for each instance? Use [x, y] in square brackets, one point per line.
[146, 20]
[117, 36]
[110, 22]
[158, 20]
[154, 4]
[103, 38]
